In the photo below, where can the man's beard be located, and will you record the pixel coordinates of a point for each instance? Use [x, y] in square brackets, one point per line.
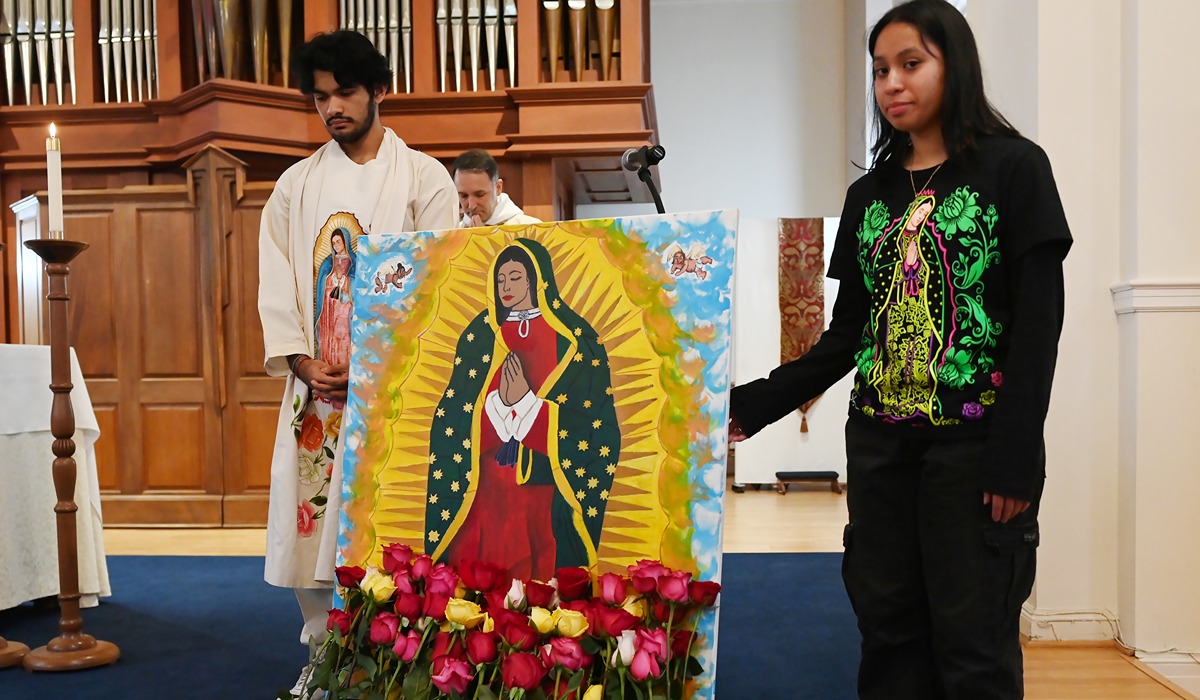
[345, 137]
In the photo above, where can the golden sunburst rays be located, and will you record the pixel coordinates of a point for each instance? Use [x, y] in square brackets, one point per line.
[323, 247]
[593, 287]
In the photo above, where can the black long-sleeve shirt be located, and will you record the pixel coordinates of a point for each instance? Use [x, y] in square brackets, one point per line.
[950, 311]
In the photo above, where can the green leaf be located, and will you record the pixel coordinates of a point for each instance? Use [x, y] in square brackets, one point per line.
[328, 452]
[694, 667]
[318, 500]
[486, 693]
[638, 691]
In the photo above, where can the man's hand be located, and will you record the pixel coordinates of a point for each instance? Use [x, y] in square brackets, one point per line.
[476, 221]
[1004, 508]
[327, 381]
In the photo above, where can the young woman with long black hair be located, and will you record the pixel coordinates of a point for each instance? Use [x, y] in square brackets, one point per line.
[950, 307]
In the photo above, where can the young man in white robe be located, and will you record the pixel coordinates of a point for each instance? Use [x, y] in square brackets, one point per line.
[365, 180]
[481, 197]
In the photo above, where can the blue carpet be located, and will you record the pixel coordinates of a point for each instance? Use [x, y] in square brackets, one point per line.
[209, 627]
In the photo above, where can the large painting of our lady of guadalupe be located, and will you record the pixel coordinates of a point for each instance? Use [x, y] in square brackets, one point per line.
[542, 396]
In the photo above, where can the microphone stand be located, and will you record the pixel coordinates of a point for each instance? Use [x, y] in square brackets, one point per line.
[645, 176]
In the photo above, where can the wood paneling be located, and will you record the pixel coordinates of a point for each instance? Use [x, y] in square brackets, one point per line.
[168, 263]
[106, 446]
[93, 321]
[173, 447]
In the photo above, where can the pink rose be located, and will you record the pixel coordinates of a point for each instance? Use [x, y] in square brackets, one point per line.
[306, 525]
[421, 566]
[997, 379]
[396, 555]
[652, 641]
[613, 588]
[674, 586]
[384, 628]
[451, 674]
[565, 652]
[407, 645]
[441, 579]
[644, 666]
[645, 575]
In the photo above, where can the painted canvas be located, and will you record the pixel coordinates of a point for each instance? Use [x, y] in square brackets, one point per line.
[543, 396]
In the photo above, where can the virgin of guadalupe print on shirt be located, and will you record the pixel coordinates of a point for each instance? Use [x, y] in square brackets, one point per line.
[928, 336]
[525, 441]
[317, 423]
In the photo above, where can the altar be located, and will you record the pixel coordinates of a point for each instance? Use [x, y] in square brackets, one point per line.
[28, 532]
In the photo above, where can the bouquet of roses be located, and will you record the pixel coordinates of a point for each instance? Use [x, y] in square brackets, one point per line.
[415, 630]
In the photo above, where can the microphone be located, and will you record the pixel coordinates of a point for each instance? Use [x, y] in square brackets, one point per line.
[639, 158]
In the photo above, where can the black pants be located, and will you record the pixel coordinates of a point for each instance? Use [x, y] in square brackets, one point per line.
[936, 584]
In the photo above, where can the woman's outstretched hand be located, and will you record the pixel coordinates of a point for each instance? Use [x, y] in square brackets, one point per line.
[736, 434]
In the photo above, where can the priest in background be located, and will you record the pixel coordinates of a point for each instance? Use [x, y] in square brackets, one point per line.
[481, 197]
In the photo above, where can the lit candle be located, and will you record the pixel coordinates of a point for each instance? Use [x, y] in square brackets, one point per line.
[54, 176]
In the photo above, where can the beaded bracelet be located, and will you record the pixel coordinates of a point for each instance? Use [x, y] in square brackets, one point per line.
[296, 362]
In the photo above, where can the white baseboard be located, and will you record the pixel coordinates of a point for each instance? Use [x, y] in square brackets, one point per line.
[1073, 626]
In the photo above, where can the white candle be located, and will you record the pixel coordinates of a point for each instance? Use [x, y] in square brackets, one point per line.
[54, 177]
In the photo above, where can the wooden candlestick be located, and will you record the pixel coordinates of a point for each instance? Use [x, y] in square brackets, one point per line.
[71, 649]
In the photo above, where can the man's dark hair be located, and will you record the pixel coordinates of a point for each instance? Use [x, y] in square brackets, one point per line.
[476, 159]
[966, 112]
[350, 56]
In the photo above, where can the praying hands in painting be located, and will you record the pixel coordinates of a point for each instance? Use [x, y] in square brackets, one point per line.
[513, 384]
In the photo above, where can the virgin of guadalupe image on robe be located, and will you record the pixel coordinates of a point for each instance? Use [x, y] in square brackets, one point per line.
[525, 441]
[334, 301]
[904, 323]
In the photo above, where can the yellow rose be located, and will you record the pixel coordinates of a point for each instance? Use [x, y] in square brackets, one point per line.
[595, 692]
[542, 620]
[333, 424]
[464, 612]
[378, 585]
[636, 606]
[987, 398]
[571, 623]
[488, 624]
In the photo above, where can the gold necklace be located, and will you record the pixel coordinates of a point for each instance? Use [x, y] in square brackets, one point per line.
[914, 182]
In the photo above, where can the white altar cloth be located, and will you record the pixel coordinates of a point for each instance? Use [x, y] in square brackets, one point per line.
[28, 533]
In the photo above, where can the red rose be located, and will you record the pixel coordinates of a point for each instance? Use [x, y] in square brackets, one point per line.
[674, 586]
[312, 433]
[339, 619]
[306, 525]
[445, 644]
[524, 671]
[349, 576]
[450, 674]
[538, 594]
[483, 576]
[565, 652]
[519, 635]
[573, 583]
[403, 583]
[482, 647]
[681, 643]
[504, 616]
[560, 689]
[613, 588]
[704, 593]
[409, 605]
[614, 621]
[666, 613]
[396, 555]
[435, 605]
[384, 628]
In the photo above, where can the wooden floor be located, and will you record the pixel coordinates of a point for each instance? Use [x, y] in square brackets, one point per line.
[808, 519]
